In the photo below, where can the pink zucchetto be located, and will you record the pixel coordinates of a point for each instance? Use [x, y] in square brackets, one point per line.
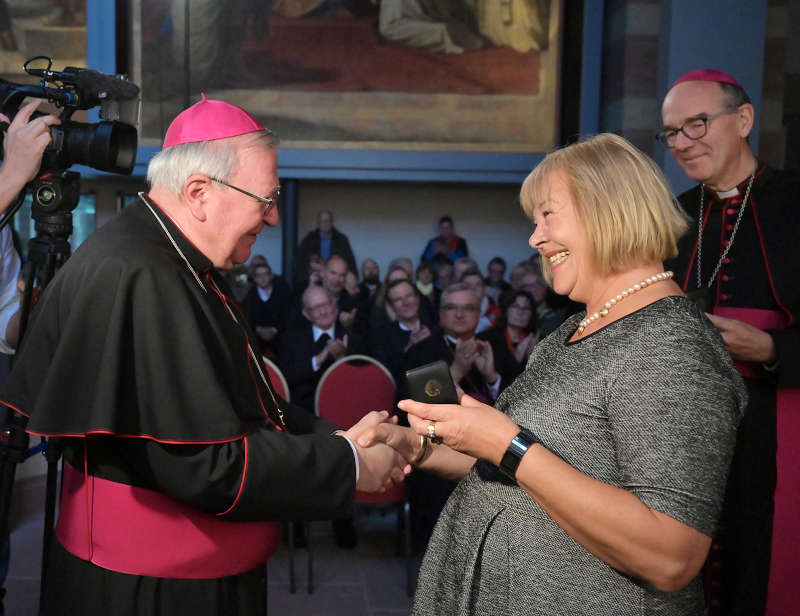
[207, 120]
[708, 74]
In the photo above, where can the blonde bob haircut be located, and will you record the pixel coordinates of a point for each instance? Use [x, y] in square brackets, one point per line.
[630, 215]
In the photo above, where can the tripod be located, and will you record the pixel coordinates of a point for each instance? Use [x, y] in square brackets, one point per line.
[55, 196]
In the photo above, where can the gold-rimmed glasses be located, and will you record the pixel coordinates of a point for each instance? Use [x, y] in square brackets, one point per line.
[269, 202]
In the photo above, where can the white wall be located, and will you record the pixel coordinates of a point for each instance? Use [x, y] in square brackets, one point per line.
[386, 220]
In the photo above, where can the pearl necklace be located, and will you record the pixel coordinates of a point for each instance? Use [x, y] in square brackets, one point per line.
[622, 295]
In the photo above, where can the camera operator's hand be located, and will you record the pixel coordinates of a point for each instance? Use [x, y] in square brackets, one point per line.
[24, 144]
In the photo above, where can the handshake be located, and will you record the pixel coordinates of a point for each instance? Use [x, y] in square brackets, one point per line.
[442, 438]
[379, 465]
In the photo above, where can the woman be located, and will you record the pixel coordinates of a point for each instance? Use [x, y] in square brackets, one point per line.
[426, 283]
[614, 443]
[514, 337]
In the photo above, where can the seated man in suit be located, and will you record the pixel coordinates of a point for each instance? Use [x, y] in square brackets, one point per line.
[472, 368]
[308, 350]
[267, 306]
[392, 341]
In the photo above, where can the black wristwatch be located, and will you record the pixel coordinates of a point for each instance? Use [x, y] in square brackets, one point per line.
[516, 449]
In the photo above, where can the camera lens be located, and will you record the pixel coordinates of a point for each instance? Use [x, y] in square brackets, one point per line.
[108, 146]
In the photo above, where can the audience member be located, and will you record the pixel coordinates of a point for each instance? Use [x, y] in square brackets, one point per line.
[257, 260]
[426, 283]
[518, 271]
[490, 312]
[446, 247]
[333, 280]
[352, 285]
[406, 263]
[495, 283]
[382, 313]
[370, 278]
[315, 271]
[325, 241]
[307, 351]
[551, 309]
[740, 263]
[444, 277]
[391, 341]
[472, 368]
[514, 337]
[267, 306]
[462, 265]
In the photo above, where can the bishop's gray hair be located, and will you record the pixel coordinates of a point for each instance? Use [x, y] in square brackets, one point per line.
[170, 168]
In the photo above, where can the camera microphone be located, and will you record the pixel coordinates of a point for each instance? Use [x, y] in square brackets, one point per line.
[86, 80]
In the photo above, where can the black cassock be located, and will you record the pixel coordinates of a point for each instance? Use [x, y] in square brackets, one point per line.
[134, 357]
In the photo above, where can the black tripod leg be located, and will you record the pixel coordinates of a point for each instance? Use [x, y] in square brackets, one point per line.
[53, 453]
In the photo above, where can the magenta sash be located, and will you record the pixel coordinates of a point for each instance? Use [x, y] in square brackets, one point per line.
[143, 532]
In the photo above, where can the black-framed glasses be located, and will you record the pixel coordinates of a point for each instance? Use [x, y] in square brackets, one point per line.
[269, 202]
[693, 128]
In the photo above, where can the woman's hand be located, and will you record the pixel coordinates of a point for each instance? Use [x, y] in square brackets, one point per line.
[471, 427]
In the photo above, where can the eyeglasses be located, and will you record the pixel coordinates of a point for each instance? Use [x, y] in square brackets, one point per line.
[269, 202]
[693, 128]
[460, 308]
[320, 308]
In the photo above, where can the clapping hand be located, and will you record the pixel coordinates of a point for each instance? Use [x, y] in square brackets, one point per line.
[463, 357]
[418, 335]
[484, 360]
[347, 319]
[337, 348]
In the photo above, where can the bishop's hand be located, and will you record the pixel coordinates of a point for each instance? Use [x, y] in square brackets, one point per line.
[380, 466]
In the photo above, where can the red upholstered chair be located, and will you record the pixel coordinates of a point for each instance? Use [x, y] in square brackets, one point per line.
[279, 384]
[352, 387]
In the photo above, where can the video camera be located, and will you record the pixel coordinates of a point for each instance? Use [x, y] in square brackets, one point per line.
[109, 145]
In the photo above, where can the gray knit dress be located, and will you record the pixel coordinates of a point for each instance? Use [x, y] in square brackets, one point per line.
[649, 403]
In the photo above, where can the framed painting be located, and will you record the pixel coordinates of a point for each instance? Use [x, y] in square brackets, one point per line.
[370, 89]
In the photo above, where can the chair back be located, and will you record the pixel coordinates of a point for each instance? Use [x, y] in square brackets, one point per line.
[353, 386]
[279, 384]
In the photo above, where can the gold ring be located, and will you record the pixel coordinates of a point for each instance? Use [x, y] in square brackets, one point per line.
[432, 433]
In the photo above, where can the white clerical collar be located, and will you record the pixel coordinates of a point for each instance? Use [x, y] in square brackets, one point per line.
[317, 332]
[727, 194]
[408, 329]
